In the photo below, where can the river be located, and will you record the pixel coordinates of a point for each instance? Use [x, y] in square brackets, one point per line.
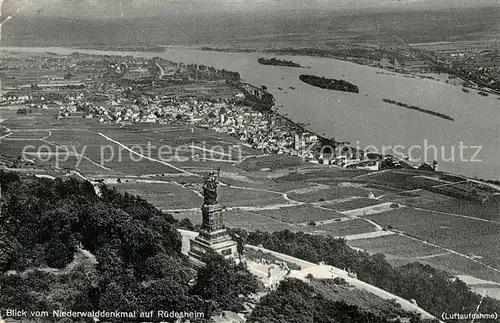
[469, 145]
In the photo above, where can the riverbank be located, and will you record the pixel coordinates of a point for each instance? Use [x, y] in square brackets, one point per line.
[145, 48]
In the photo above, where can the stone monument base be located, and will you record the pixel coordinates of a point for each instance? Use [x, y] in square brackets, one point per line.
[223, 245]
[213, 236]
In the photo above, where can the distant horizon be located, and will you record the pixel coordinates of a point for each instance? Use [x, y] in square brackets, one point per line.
[117, 9]
[340, 12]
[268, 29]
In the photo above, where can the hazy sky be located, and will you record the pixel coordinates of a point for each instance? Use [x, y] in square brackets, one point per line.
[134, 8]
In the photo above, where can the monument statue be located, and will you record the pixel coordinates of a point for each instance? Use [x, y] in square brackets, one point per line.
[213, 235]
[210, 188]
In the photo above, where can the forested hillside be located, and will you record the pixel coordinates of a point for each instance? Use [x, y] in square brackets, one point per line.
[298, 302]
[128, 254]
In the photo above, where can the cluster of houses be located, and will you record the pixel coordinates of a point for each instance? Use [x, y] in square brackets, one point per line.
[24, 100]
[265, 132]
[15, 99]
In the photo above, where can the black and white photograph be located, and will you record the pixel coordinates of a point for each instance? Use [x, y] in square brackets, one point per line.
[259, 161]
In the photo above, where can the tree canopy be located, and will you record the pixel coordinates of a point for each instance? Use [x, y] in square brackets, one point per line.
[64, 247]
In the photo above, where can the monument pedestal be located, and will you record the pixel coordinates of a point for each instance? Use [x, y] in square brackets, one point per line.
[213, 236]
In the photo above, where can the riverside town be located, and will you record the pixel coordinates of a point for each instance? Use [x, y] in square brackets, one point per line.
[249, 161]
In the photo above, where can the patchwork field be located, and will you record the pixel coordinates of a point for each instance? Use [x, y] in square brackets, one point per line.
[252, 221]
[164, 195]
[289, 186]
[300, 214]
[326, 192]
[14, 148]
[270, 162]
[323, 175]
[353, 204]
[462, 266]
[185, 143]
[401, 250]
[488, 210]
[94, 170]
[342, 228]
[230, 197]
[468, 236]
[407, 180]
[134, 150]
[396, 247]
[28, 135]
[420, 198]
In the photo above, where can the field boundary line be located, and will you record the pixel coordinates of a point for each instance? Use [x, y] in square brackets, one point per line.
[146, 157]
[84, 157]
[454, 214]
[371, 174]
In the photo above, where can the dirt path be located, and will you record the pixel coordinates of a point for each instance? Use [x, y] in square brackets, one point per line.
[146, 157]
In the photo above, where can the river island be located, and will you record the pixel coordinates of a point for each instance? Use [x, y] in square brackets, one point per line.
[277, 62]
[412, 107]
[329, 84]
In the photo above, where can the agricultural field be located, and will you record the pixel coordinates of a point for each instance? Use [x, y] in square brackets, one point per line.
[193, 149]
[26, 134]
[300, 214]
[342, 228]
[352, 204]
[421, 198]
[164, 195]
[322, 175]
[111, 155]
[447, 185]
[468, 236]
[232, 197]
[45, 119]
[201, 166]
[489, 210]
[69, 137]
[95, 170]
[396, 247]
[462, 266]
[407, 180]
[188, 148]
[285, 187]
[14, 148]
[129, 164]
[178, 138]
[322, 192]
[252, 221]
[401, 250]
[270, 162]
[461, 192]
